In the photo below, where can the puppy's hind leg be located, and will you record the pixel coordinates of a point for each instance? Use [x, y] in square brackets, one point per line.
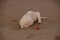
[38, 17]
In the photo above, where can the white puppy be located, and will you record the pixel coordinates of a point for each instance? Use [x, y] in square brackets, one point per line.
[29, 18]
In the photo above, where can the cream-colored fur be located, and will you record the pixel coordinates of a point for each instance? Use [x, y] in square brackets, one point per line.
[29, 18]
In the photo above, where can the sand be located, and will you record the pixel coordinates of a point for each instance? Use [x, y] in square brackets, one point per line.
[13, 10]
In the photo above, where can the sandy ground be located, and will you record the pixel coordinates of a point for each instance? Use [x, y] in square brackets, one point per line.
[13, 10]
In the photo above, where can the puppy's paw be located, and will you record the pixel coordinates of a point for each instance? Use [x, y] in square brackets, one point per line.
[22, 27]
[39, 22]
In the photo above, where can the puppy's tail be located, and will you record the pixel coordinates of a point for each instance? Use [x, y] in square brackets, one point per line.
[44, 17]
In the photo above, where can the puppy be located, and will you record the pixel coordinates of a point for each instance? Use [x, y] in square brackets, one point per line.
[29, 18]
